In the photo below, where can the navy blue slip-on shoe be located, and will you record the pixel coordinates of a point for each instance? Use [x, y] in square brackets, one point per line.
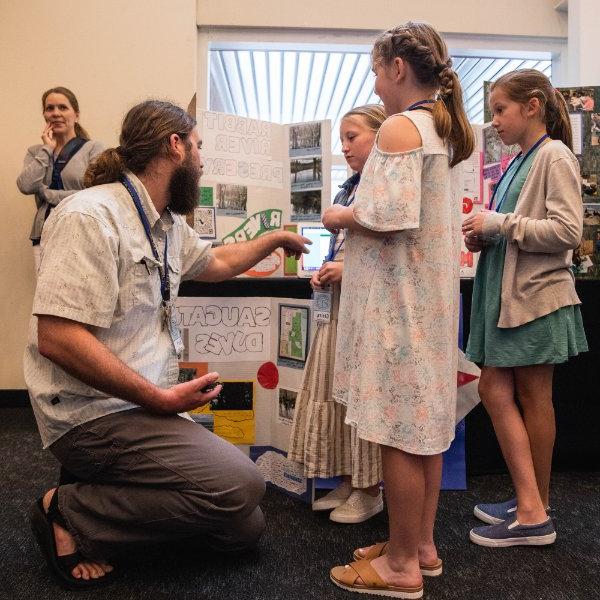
[511, 533]
[495, 513]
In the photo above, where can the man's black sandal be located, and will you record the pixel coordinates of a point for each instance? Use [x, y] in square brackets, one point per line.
[61, 566]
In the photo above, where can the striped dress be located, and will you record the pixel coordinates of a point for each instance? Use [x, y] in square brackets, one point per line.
[320, 439]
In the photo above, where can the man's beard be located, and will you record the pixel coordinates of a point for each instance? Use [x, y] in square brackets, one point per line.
[183, 188]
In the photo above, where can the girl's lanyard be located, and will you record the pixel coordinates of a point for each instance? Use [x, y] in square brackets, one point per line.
[323, 298]
[420, 105]
[529, 153]
[334, 251]
[163, 269]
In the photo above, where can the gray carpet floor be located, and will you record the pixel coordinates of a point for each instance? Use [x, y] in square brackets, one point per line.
[299, 546]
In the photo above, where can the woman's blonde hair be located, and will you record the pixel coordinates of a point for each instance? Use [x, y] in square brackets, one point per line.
[422, 47]
[373, 114]
[70, 96]
[523, 85]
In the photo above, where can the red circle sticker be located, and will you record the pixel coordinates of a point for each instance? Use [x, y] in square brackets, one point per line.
[268, 375]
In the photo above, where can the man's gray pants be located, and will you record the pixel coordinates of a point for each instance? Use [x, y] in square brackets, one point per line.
[147, 478]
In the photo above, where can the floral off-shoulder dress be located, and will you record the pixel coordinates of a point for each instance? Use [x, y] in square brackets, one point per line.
[397, 349]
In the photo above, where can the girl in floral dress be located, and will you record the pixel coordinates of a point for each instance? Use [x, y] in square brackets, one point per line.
[397, 348]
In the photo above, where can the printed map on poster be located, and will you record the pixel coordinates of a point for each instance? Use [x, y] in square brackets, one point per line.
[293, 335]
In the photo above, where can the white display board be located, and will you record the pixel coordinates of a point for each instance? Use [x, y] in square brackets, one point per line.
[261, 177]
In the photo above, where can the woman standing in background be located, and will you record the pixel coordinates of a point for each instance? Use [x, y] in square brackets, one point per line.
[54, 169]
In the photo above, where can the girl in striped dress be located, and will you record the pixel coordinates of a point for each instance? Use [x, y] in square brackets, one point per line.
[320, 439]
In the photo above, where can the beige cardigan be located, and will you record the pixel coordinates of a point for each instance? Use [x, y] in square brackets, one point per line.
[37, 175]
[541, 234]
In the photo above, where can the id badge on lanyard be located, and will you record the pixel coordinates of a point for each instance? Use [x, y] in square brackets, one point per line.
[171, 325]
[322, 303]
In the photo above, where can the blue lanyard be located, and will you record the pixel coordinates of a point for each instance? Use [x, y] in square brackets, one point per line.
[165, 285]
[529, 152]
[334, 251]
[420, 104]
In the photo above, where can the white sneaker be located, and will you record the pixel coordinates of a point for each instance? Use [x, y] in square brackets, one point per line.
[334, 498]
[359, 507]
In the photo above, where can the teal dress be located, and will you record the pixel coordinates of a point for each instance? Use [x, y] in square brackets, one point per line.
[550, 339]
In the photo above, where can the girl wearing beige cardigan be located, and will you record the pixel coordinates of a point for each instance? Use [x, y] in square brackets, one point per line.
[526, 316]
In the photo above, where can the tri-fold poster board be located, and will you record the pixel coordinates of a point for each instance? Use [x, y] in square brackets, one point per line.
[260, 177]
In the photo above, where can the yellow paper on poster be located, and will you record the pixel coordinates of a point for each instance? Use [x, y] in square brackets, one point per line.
[236, 425]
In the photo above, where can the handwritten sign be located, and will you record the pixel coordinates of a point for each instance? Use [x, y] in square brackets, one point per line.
[237, 150]
[225, 329]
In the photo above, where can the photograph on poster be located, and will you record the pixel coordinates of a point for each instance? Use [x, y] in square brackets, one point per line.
[305, 139]
[306, 206]
[586, 259]
[232, 199]
[589, 186]
[495, 150]
[293, 335]
[591, 214]
[287, 405]
[205, 198]
[191, 370]
[305, 173]
[186, 374]
[492, 146]
[579, 99]
[205, 224]
[235, 395]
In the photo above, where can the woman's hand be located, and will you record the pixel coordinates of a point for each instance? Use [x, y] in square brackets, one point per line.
[331, 272]
[473, 225]
[48, 136]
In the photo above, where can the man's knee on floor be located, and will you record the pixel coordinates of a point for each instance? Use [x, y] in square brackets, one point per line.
[249, 531]
[242, 490]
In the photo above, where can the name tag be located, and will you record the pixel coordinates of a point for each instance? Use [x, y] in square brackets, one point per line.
[322, 301]
[171, 325]
[176, 337]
